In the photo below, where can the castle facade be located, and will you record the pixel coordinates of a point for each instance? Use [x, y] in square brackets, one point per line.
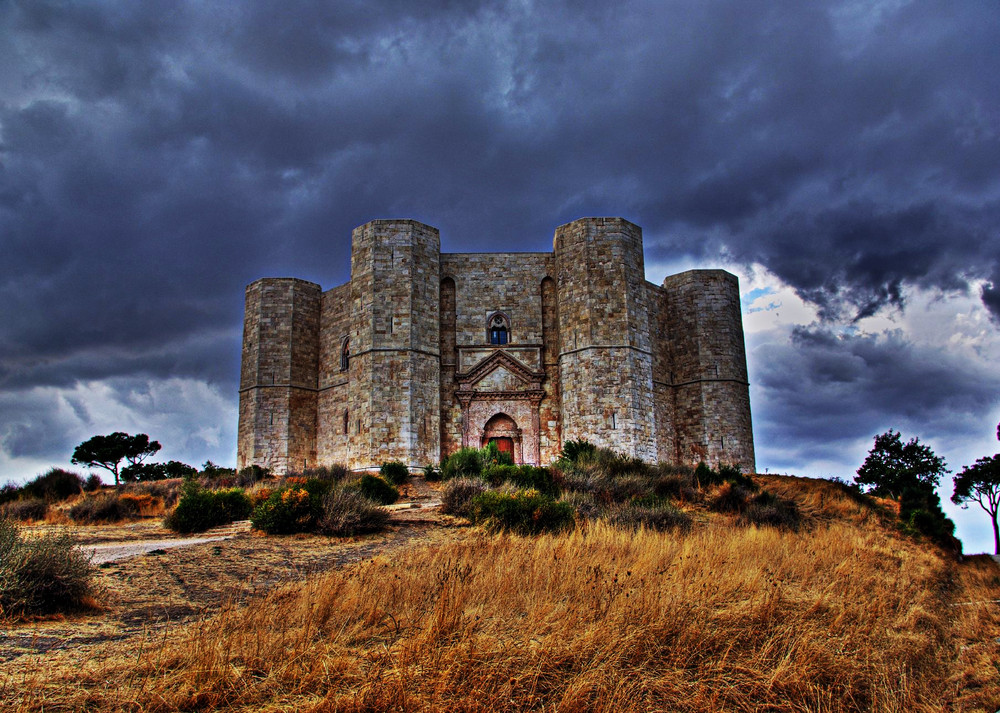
[424, 352]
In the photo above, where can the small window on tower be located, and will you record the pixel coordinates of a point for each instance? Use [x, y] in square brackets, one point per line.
[345, 354]
[499, 329]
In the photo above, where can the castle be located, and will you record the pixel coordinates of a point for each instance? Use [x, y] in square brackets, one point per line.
[424, 352]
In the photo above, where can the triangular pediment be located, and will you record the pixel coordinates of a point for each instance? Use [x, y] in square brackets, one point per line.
[500, 372]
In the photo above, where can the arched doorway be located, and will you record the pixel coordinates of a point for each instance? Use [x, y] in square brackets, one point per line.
[502, 430]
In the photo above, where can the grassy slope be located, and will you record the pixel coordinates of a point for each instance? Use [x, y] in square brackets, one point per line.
[845, 615]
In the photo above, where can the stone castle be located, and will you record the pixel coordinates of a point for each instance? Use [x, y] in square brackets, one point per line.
[425, 352]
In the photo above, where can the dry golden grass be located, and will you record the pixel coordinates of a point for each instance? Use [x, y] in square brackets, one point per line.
[844, 616]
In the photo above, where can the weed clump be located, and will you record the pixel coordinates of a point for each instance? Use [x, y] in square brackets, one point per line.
[658, 516]
[25, 510]
[41, 575]
[347, 512]
[525, 512]
[110, 507]
[458, 494]
[765, 509]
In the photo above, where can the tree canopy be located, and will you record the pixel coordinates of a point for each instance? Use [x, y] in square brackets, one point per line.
[980, 483]
[892, 467]
[109, 451]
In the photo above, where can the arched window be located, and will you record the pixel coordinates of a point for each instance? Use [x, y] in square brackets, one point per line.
[499, 328]
[345, 354]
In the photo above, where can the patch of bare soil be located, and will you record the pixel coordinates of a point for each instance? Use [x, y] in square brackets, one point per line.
[147, 595]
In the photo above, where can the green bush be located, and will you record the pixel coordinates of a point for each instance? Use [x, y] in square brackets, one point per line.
[653, 516]
[526, 512]
[200, 509]
[92, 483]
[705, 477]
[41, 575]
[573, 451]
[492, 455]
[458, 494]
[394, 472]
[55, 485]
[431, 474]
[377, 490]
[25, 510]
[463, 463]
[109, 507]
[347, 512]
[522, 476]
[292, 508]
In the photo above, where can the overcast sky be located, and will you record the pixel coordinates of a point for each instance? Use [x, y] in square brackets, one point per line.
[842, 158]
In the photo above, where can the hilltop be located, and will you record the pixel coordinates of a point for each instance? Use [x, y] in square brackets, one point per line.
[846, 613]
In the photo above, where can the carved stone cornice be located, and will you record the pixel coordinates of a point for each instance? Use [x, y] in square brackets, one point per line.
[533, 395]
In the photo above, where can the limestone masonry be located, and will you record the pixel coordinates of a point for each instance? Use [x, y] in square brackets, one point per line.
[424, 352]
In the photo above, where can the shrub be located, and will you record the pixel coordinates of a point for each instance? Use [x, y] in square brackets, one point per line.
[200, 509]
[167, 492]
[110, 507]
[573, 451]
[92, 483]
[292, 508]
[705, 477]
[251, 475]
[25, 510]
[492, 455]
[526, 512]
[431, 474]
[394, 472]
[458, 494]
[9, 492]
[42, 575]
[347, 512]
[662, 516]
[730, 499]
[55, 485]
[463, 463]
[675, 487]
[766, 509]
[377, 490]
[523, 476]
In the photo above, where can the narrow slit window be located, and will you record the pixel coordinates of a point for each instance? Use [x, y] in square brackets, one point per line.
[345, 355]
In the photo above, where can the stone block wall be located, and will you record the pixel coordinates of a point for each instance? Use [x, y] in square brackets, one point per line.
[333, 445]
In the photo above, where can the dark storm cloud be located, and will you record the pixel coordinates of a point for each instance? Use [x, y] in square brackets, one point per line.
[156, 157]
[826, 389]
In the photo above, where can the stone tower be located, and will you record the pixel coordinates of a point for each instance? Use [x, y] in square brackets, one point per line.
[394, 388]
[278, 375]
[605, 362]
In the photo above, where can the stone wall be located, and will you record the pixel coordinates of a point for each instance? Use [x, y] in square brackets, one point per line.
[333, 417]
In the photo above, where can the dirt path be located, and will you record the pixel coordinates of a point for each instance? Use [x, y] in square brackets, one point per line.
[149, 587]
